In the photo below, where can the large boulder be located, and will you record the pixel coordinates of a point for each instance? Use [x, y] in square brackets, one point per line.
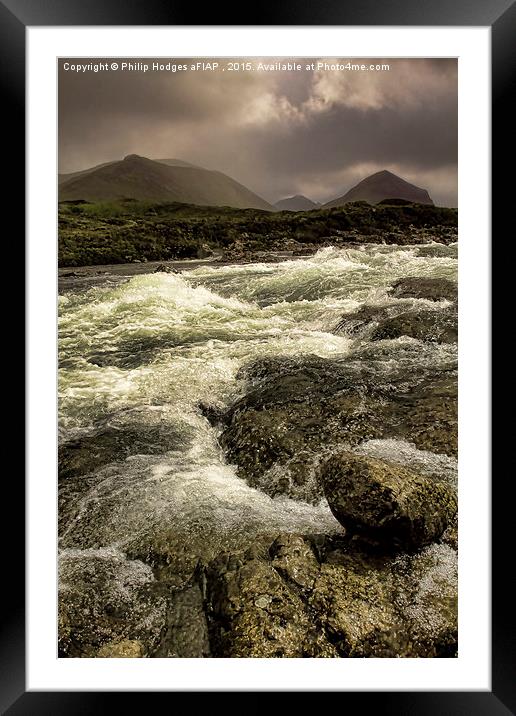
[385, 503]
[277, 448]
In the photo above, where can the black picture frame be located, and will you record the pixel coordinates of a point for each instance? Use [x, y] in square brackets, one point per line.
[15, 17]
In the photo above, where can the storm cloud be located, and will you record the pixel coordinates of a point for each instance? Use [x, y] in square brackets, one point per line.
[278, 132]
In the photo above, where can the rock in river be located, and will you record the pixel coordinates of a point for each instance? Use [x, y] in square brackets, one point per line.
[436, 326]
[432, 289]
[387, 504]
[388, 322]
[112, 444]
[106, 600]
[255, 613]
[297, 411]
[318, 597]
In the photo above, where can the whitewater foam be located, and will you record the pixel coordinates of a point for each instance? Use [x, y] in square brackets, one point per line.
[155, 346]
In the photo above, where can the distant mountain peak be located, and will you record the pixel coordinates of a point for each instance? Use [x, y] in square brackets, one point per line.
[383, 173]
[299, 202]
[134, 157]
[382, 185]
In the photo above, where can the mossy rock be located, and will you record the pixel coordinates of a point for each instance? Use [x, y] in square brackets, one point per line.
[387, 504]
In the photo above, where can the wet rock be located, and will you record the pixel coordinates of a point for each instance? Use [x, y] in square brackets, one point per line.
[450, 536]
[437, 467]
[437, 326]
[105, 599]
[174, 558]
[241, 596]
[254, 613]
[426, 599]
[177, 557]
[186, 631]
[361, 323]
[125, 649]
[388, 322]
[427, 416]
[113, 444]
[298, 410]
[389, 607]
[213, 413]
[432, 289]
[133, 351]
[294, 560]
[437, 251]
[354, 603]
[278, 449]
[386, 504]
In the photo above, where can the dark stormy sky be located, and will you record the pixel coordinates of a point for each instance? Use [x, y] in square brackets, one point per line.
[280, 133]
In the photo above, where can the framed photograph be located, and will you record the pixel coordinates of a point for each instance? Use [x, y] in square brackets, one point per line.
[258, 376]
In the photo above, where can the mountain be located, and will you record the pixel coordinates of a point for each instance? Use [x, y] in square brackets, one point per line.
[136, 177]
[170, 162]
[296, 203]
[382, 185]
[72, 175]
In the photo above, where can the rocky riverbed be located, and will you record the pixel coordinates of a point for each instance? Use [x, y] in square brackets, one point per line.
[261, 460]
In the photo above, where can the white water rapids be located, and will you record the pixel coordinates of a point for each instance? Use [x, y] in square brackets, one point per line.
[145, 351]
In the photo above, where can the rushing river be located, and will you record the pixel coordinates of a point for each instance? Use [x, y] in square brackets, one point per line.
[141, 354]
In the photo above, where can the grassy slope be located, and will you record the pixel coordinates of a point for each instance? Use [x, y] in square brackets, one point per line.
[147, 180]
[83, 172]
[118, 232]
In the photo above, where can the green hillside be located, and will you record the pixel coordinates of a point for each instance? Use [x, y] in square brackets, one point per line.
[120, 232]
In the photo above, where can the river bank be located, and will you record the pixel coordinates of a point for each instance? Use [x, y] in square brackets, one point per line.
[127, 231]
